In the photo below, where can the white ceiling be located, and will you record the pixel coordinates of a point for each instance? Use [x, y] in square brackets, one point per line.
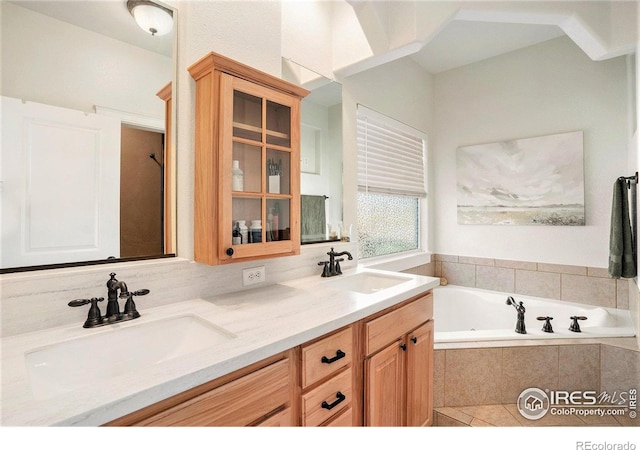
[460, 43]
[465, 42]
[108, 17]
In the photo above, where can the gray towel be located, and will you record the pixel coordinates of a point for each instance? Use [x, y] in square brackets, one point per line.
[313, 222]
[621, 252]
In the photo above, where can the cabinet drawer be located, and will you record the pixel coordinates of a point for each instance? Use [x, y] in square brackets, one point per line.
[237, 403]
[335, 394]
[385, 329]
[326, 356]
[280, 419]
[344, 419]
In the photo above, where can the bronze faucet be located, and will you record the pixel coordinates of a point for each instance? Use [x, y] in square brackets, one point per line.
[332, 267]
[113, 314]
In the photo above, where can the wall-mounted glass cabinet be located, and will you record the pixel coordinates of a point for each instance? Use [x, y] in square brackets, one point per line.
[247, 191]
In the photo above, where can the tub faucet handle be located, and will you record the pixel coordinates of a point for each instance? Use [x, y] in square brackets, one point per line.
[547, 328]
[575, 327]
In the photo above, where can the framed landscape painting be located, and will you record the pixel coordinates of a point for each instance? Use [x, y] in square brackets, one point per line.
[533, 181]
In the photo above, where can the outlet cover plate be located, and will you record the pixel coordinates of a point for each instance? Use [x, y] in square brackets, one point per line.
[253, 275]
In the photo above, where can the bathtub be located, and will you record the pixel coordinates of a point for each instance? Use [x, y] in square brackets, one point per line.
[468, 314]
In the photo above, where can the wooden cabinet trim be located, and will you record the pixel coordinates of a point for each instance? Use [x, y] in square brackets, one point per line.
[215, 61]
[394, 324]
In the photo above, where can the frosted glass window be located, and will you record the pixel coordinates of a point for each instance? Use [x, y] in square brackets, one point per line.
[387, 224]
[391, 184]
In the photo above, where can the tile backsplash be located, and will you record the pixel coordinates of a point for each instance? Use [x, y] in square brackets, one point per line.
[32, 301]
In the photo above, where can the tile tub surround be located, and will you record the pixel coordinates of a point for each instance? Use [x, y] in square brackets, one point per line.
[589, 285]
[497, 375]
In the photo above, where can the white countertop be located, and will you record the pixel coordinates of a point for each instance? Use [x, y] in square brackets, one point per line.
[263, 321]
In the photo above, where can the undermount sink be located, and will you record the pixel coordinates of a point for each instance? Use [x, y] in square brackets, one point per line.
[118, 350]
[367, 282]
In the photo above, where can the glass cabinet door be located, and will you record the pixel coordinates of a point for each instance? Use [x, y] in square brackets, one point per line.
[258, 172]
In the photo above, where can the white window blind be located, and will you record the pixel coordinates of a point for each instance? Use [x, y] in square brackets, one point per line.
[391, 155]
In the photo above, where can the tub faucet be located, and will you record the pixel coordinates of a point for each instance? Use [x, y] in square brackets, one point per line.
[520, 327]
[332, 267]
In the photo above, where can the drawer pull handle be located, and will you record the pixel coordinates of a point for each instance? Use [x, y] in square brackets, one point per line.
[339, 355]
[414, 340]
[340, 397]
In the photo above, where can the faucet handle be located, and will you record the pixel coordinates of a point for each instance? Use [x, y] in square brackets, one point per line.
[138, 292]
[547, 328]
[575, 327]
[325, 272]
[84, 301]
[94, 318]
[141, 292]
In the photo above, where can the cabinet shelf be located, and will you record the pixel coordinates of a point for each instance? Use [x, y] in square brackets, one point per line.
[254, 129]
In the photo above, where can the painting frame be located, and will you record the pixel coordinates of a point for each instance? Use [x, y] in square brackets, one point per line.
[526, 181]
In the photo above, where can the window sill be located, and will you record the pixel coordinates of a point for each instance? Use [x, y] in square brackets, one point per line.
[398, 262]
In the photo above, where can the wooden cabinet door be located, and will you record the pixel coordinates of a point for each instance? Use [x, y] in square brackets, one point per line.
[420, 376]
[384, 385]
[260, 131]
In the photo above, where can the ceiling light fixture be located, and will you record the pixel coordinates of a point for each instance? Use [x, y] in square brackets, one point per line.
[151, 17]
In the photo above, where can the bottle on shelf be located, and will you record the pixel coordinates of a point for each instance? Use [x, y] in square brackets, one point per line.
[256, 231]
[237, 237]
[237, 183]
[244, 231]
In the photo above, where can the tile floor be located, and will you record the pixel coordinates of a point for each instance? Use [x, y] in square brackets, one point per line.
[507, 415]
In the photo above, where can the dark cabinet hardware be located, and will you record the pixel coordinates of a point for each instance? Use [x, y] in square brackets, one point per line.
[414, 340]
[339, 355]
[403, 347]
[230, 251]
[340, 397]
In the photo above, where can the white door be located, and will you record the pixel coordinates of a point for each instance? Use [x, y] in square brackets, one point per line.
[60, 185]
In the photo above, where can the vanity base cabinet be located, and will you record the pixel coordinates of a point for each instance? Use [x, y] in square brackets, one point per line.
[398, 375]
[258, 395]
[377, 371]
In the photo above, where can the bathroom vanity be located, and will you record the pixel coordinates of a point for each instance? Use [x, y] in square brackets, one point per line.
[309, 352]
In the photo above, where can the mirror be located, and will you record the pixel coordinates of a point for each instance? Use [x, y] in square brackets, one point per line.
[320, 155]
[88, 176]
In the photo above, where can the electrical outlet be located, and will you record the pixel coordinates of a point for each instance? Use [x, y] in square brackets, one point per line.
[253, 276]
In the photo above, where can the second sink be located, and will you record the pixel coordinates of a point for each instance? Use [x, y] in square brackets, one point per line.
[368, 282]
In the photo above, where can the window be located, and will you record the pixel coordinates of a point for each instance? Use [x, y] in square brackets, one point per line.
[391, 184]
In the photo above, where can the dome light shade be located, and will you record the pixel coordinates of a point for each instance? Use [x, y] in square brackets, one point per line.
[151, 17]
